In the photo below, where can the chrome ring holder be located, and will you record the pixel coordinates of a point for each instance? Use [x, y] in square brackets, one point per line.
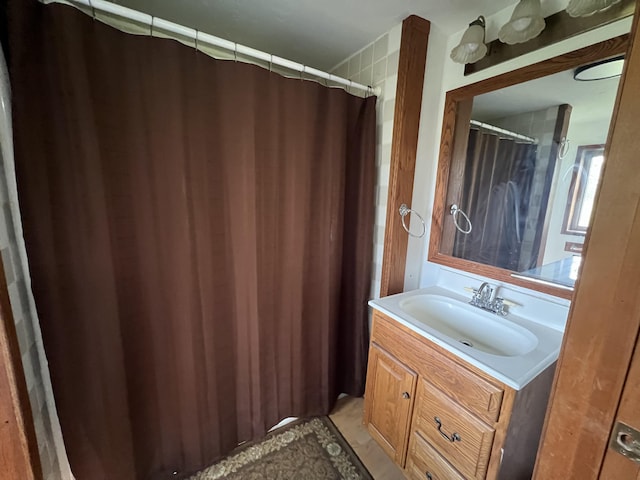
[404, 211]
[565, 145]
[455, 211]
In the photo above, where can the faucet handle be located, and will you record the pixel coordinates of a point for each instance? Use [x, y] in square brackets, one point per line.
[475, 290]
[509, 303]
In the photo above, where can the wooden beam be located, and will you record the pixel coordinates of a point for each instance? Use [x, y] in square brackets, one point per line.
[19, 458]
[559, 26]
[411, 66]
[604, 320]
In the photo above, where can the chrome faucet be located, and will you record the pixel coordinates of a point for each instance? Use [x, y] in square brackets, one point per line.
[484, 297]
[485, 292]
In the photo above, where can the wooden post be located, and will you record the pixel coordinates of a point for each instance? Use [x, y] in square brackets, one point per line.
[413, 57]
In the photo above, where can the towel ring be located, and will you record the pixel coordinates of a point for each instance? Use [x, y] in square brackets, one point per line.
[564, 148]
[404, 211]
[455, 211]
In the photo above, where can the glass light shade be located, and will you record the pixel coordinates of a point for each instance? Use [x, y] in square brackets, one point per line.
[601, 70]
[584, 8]
[471, 47]
[526, 23]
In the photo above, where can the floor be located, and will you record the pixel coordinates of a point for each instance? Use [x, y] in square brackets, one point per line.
[347, 416]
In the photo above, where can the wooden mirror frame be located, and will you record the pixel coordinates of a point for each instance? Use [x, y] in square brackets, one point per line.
[457, 109]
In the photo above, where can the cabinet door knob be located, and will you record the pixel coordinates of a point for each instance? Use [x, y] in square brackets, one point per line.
[406, 395]
[429, 477]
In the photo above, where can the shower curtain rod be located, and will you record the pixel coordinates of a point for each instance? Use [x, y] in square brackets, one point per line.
[493, 128]
[201, 38]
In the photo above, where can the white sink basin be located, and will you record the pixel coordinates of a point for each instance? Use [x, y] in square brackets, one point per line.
[512, 349]
[469, 325]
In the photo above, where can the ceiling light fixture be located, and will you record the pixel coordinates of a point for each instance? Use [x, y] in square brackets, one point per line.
[471, 47]
[526, 23]
[584, 8]
[609, 68]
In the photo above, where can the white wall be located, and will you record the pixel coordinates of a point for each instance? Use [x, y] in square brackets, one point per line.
[377, 65]
[581, 132]
[442, 75]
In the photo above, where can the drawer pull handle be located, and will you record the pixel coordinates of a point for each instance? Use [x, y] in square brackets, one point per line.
[429, 476]
[406, 395]
[453, 438]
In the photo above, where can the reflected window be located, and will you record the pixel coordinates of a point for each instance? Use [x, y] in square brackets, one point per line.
[584, 184]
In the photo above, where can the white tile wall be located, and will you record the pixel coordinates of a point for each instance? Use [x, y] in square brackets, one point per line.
[377, 65]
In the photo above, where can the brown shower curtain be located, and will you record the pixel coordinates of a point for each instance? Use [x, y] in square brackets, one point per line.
[199, 235]
[496, 196]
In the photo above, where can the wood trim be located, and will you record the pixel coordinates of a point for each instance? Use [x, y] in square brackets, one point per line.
[592, 53]
[453, 100]
[604, 320]
[19, 457]
[411, 67]
[616, 465]
[559, 26]
[499, 274]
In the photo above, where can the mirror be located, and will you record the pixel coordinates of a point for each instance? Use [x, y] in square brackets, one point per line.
[520, 162]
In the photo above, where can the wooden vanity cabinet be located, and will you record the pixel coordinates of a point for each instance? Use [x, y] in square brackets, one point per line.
[438, 417]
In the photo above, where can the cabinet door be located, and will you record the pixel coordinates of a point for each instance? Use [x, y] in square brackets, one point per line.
[389, 402]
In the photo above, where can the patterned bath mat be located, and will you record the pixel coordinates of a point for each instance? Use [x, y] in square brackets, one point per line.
[306, 449]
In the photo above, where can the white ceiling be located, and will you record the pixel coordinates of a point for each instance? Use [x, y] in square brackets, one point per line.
[591, 101]
[319, 33]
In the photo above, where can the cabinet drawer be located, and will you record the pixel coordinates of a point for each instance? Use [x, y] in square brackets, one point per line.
[464, 440]
[476, 394]
[424, 463]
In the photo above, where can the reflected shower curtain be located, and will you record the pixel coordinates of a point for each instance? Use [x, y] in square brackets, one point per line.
[497, 184]
[199, 235]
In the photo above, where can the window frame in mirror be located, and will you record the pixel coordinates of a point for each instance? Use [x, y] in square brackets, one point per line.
[457, 110]
[577, 190]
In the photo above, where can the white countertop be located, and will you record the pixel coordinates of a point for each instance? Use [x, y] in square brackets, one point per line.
[514, 371]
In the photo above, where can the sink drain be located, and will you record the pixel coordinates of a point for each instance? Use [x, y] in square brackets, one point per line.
[467, 343]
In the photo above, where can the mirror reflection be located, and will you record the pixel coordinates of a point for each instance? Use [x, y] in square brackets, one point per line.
[528, 180]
